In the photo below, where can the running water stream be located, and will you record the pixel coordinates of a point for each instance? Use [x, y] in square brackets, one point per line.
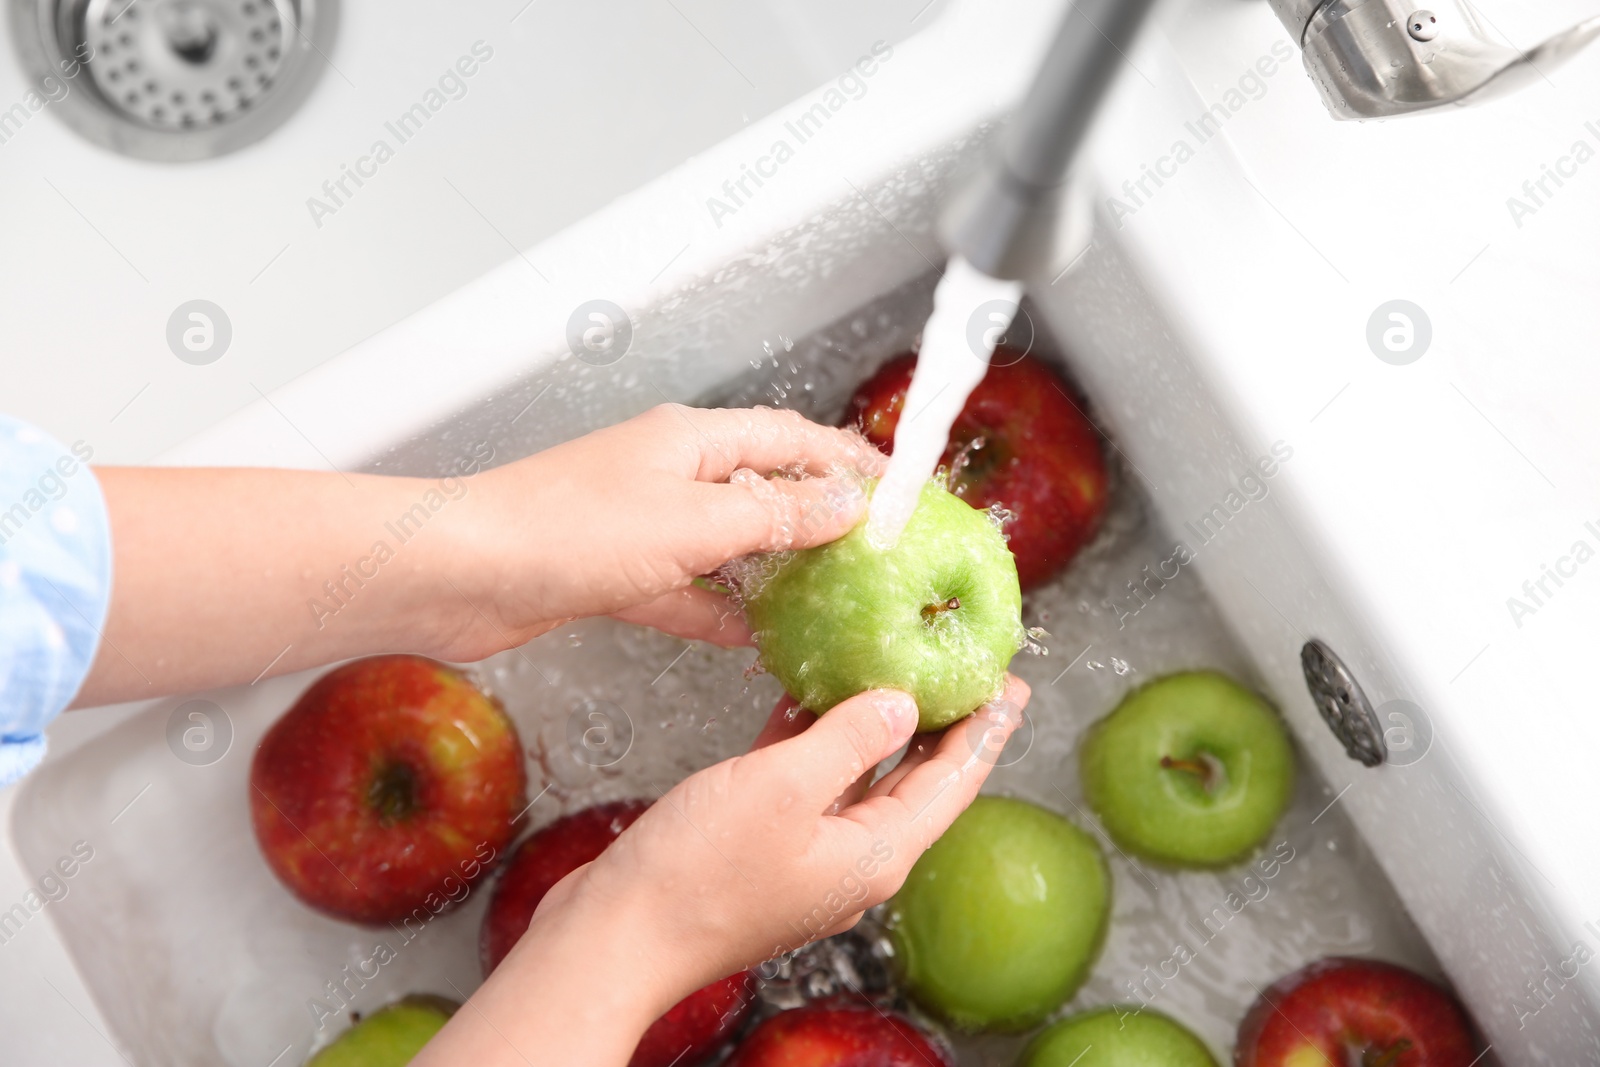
[953, 359]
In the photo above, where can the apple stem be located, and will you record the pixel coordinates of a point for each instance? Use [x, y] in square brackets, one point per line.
[1386, 1057]
[1200, 768]
[393, 793]
[933, 611]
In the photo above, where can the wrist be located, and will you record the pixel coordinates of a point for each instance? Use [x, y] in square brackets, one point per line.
[623, 937]
[405, 600]
[589, 969]
[483, 565]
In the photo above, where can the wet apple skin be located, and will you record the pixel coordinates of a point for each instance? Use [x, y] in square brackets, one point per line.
[1001, 919]
[847, 617]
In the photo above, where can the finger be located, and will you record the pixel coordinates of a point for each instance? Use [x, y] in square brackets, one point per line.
[767, 440]
[923, 747]
[694, 614]
[846, 743]
[923, 804]
[854, 794]
[918, 752]
[755, 514]
[787, 720]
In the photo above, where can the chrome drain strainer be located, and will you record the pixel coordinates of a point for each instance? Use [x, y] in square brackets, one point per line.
[189, 63]
[174, 79]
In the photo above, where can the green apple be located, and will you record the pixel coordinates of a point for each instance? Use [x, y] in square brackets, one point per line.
[1117, 1037]
[390, 1036]
[1191, 770]
[999, 922]
[938, 615]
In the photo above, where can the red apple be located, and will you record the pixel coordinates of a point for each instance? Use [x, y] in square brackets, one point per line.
[1346, 1011]
[693, 1028]
[1040, 457]
[838, 1034]
[389, 787]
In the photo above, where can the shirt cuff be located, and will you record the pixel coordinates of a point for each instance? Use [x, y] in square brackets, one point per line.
[55, 585]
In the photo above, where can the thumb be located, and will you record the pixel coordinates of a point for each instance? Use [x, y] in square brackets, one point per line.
[845, 743]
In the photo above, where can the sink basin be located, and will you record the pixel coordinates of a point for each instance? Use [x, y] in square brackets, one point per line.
[244, 969]
[1222, 319]
[574, 105]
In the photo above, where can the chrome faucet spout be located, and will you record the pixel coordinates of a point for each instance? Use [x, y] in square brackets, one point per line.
[1374, 59]
[1003, 223]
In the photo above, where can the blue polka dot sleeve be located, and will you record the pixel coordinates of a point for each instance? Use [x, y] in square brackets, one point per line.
[55, 585]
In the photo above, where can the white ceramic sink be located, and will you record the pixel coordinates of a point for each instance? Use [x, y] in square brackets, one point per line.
[1225, 315]
[577, 104]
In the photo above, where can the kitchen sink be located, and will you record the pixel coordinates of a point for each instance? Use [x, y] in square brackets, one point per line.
[1220, 319]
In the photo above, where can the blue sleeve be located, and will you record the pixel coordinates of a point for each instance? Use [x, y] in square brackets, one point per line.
[55, 585]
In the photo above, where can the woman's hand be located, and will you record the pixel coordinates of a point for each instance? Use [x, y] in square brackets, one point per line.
[252, 573]
[735, 865]
[793, 841]
[621, 521]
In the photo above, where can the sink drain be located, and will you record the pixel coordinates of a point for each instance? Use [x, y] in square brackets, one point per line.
[174, 80]
[1343, 704]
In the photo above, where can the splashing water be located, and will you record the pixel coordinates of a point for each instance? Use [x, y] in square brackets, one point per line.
[951, 363]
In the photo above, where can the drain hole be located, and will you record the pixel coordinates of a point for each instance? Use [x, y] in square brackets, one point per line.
[191, 32]
[196, 52]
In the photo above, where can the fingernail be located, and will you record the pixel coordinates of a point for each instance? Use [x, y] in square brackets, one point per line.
[899, 711]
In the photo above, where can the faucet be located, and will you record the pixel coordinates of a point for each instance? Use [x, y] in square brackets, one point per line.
[1005, 223]
[1375, 59]
[1369, 58]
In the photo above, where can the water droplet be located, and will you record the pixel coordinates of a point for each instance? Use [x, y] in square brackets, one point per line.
[1000, 516]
